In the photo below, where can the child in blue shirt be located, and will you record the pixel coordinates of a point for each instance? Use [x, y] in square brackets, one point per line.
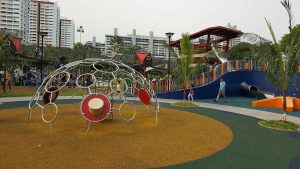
[222, 90]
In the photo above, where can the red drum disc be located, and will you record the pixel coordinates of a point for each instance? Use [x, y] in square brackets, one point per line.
[144, 97]
[86, 111]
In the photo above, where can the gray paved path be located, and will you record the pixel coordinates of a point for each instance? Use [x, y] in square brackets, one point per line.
[264, 115]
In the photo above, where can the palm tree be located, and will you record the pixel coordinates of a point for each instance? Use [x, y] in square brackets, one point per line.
[281, 58]
[184, 70]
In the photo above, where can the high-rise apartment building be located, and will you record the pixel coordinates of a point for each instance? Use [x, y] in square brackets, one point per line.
[67, 33]
[14, 17]
[97, 45]
[44, 17]
[150, 43]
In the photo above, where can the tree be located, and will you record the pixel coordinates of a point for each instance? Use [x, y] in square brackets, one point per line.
[78, 45]
[53, 54]
[281, 58]
[129, 53]
[7, 56]
[242, 51]
[184, 69]
[117, 46]
[94, 52]
[285, 41]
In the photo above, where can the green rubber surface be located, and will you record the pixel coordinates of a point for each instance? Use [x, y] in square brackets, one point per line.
[253, 146]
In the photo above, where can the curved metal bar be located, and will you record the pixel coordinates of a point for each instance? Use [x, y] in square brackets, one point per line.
[49, 85]
[134, 111]
[85, 74]
[43, 113]
[113, 90]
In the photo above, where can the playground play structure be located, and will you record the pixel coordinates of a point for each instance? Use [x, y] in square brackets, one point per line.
[243, 79]
[142, 62]
[292, 103]
[224, 35]
[102, 80]
[211, 39]
[238, 74]
[216, 37]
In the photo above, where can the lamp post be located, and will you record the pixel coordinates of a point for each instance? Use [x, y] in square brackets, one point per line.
[80, 30]
[169, 35]
[42, 34]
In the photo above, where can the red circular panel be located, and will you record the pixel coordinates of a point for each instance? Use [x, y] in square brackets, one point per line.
[86, 111]
[144, 96]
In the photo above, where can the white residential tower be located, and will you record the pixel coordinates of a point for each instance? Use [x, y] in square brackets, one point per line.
[67, 33]
[46, 13]
[150, 43]
[14, 17]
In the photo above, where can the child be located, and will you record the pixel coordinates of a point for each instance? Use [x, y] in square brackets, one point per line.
[119, 88]
[222, 90]
[191, 93]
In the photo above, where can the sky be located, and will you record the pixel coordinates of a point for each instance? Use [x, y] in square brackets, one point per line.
[100, 17]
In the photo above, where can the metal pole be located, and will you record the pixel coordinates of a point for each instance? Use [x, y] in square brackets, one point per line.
[42, 58]
[59, 42]
[80, 30]
[38, 38]
[38, 26]
[80, 36]
[169, 65]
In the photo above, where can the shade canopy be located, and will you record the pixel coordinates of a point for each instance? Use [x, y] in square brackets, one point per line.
[220, 31]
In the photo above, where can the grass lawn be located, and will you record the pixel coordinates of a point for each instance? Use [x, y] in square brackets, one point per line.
[24, 91]
[18, 92]
[280, 125]
[184, 104]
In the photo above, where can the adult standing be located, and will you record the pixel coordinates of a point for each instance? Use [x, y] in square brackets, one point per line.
[222, 90]
[6, 81]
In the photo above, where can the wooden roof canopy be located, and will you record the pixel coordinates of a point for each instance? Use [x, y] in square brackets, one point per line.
[223, 32]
